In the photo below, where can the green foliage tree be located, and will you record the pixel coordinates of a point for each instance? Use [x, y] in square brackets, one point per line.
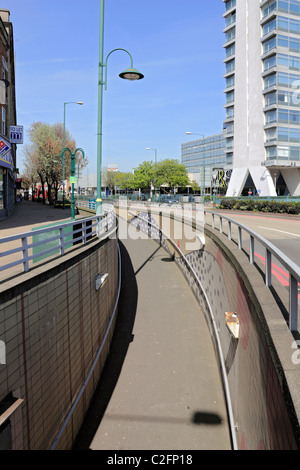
[171, 173]
[124, 181]
[167, 173]
[144, 175]
[43, 155]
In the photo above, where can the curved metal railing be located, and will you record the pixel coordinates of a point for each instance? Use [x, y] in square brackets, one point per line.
[27, 248]
[292, 269]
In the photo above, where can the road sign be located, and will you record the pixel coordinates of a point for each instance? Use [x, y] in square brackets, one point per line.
[16, 134]
[73, 179]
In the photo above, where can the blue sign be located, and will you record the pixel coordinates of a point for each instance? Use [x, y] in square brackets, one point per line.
[5, 154]
[16, 134]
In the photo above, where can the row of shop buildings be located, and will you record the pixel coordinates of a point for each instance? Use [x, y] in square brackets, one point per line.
[8, 119]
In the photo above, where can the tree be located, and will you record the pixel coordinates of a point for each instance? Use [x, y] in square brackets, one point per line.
[171, 173]
[144, 175]
[43, 155]
[124, 181]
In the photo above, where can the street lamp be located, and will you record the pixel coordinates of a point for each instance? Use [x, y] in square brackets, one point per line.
[155, 150]
[128, 74]
[155, 153]
[203, 162]
[64, 144]
[73, 174]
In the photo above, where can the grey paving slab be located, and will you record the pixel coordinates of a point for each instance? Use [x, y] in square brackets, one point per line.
[26, 217]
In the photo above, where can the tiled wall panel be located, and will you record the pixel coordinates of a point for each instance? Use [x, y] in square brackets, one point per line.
[52, 326]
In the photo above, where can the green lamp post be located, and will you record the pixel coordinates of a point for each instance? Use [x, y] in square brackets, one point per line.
[64, 144]
[73, 174]
[128, 74]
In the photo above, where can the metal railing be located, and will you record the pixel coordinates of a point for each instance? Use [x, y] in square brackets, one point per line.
[57, 239]
[271, 251]
[162, 236]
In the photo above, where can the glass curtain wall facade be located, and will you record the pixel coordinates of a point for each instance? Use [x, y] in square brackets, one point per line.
[202, 156]
[262, 105]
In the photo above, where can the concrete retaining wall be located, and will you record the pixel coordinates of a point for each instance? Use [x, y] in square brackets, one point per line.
[52, 323]
[261, 370]
[262, 377]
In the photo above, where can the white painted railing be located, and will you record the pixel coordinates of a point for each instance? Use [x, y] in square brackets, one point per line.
[271, 252]
[29, 247]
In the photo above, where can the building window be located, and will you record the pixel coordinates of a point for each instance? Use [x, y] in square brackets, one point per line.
[269, 62]
[270, 99]
[269, 26]
[271, 116]
[269, 8]
[230, 50]
[230, 66]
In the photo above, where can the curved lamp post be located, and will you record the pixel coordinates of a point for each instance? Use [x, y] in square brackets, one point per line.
[64, 144]
[128, 74]
[203, 163]
[73, 174]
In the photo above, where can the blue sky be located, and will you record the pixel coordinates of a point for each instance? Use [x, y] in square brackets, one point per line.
[176, 44]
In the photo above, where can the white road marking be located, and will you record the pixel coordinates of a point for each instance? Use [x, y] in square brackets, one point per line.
[281, 231]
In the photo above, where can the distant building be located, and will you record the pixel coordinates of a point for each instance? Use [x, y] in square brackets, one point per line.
[202, 157]
[8, 174]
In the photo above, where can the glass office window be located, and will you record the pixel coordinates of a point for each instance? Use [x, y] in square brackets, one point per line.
[283, 41]
[283, 134]
[294, 153]
[230, 97]
[283, 115]
[283, 152]
[270, 99]
[294, 62]
[269, 26]
[230, 112]
[271, 134]
[269, 62]
[294, 27]
[271, 116]
[271, 6]
[271, 153]
[294, 7]
[283, 60]
[230, 4]
[230, 66]
[284, 97]
[283, 5]
[230, 81]
[270, 80]
[294, 135]
[294, 117]
[270, 44]
[230, 50]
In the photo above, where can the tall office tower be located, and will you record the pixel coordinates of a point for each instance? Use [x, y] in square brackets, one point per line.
[262, 125]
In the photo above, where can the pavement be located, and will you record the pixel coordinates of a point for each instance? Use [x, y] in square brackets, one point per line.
[160, 388]
[27, 216]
